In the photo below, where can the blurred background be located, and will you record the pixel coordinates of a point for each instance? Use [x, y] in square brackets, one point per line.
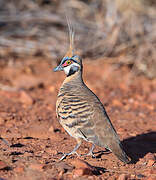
[117, 41]
[124, 29]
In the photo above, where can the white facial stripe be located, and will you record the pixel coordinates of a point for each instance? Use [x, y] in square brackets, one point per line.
[67, 68]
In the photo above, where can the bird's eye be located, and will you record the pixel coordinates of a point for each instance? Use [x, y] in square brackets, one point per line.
[68, 62]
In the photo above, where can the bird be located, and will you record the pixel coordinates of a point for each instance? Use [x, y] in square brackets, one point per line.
[79, 110]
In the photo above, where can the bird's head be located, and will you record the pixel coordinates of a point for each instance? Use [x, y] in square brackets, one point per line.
[71, 63]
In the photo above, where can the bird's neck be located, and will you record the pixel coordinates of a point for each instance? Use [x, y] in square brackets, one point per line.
[72, 82]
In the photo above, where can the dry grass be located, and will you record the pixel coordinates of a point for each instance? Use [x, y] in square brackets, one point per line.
[104, 28]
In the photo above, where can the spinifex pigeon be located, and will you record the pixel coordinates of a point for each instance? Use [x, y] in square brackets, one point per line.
[79, 110]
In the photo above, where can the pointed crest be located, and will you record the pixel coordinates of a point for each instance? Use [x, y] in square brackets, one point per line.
[71, 37]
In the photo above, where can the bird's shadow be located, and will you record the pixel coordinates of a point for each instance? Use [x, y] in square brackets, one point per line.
[138, 146]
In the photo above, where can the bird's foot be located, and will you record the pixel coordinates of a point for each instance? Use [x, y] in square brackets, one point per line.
[68, 154]
[89, 154]
[73, 151]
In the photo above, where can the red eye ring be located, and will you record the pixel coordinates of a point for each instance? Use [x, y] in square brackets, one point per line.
[68, 62]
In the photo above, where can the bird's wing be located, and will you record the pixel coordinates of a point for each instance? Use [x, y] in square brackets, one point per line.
[100, 131]
[99, 128]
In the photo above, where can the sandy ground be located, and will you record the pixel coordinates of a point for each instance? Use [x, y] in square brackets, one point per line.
[36, 140]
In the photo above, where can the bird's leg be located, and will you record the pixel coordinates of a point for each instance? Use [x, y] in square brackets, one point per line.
[73, 151]
[91, 151]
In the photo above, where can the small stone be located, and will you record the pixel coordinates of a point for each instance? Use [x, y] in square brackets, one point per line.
[78, 172]
[27, 154]
[78, 163]
[150, 156]
[152, 96]
[81, 168]
[51, 151]
[123, 177]
[25, 98]
[3, 165]
[35, 166]
[1, 120]
[151, 162]
[140, 176]
[149, 106]
[62, 166]
[81, 172]
[25, 81]
[19, 169]
[123, 86]
[133, 176]
[51, 129]
[152, 170]
[60, 174]
[52, 89]
[116, 102]
[151, 178]
[38, 130]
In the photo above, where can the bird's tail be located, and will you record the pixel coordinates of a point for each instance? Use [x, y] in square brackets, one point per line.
[117, 149]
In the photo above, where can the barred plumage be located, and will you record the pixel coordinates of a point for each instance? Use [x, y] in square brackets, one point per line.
[81, 113]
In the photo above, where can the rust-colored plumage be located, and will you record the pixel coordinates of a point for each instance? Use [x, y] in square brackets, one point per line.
[79, 110]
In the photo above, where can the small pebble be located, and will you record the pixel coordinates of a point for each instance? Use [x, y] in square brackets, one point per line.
[35, 166]
[3, 164]
[19, 169]
[123, 177]
[151, 162]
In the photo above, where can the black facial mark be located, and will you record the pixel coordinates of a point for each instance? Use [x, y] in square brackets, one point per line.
[73, 70]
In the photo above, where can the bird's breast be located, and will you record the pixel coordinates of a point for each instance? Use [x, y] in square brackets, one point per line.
[74, 112]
